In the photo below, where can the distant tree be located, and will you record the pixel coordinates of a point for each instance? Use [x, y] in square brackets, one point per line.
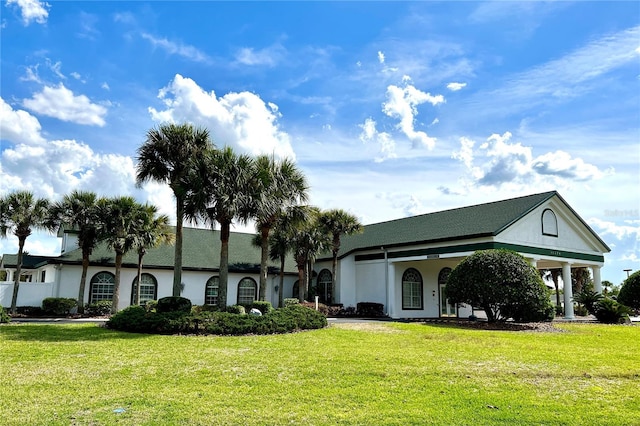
[167, 156]
[503, 283]
[277, 185]
[79, 212]
[20, 213]
[581, 279]
[338, 222]
[606, 286]
[152, 231]
[630, 291]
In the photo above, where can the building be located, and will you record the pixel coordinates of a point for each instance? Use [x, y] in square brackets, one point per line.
[402, 263]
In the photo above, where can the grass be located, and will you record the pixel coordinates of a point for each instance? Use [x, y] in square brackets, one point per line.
[347, 374]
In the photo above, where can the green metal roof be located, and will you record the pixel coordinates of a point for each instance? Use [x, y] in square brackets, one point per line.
[482, 220]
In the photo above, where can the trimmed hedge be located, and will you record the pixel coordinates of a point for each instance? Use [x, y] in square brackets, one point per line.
[98, 309]
[173, 304]
[58, 305]
[285, 320]
[370, 309]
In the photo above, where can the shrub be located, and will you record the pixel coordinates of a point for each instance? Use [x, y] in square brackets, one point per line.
[98, 309]
[151, 305]
[630, 291]
[197, 309]
[236, 309]
[370, 309]
[262, 306]
[4, 317]
[58, 305]
[136, 319]
[588, 298]
[30, 311]
[503, 284]
[290, 301]
[322, 308]
[609, 311]
[173, 304]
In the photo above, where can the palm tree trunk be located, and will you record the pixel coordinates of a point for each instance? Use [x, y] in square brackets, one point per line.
[264, 256]
[16, 280]
[83, 281]
[116, 284]
[334, 267]
[224, 264]
[177, 262]
[301, 281]
[281, 286]
[140, 255]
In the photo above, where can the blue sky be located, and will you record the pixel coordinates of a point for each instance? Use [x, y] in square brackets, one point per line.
[390, 108]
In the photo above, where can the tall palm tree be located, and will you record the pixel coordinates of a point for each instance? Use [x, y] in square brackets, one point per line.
[20, 212]
[224, 196]
[278, 185]
[79, 211]
[166, 156]
[152, 231]
[338, 222]
[123, 219]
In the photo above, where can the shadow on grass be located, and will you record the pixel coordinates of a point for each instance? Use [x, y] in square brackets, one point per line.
[60, 333]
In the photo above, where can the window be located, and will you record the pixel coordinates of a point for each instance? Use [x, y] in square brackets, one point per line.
[211, 291]
[549, 223]
[102, 285]
[324, 286]
[247, 291]
[443, 276]
[411, 289]
[148, 289]
[43, 276]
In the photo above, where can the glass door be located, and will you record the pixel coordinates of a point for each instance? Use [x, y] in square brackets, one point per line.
[446, 309]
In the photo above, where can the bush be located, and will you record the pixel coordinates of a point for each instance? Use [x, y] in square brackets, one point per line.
[98, 309]
[173, 304]
[290, 301]
[4, 317]
[503, 284]
[609, 311]
[370, 309]
[589, 299]
[30, 311]
[630, 291]
[151, 305]
[262, 306]
[322, 308]
[197, 309]
[58, 305]
[236, 309]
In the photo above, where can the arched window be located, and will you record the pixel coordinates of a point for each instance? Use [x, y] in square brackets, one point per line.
[443, 276]
[101, 287]
[412, 289]
[211, 291]
[324, 286]
[148, 289]
[549, 223]
[247, 290]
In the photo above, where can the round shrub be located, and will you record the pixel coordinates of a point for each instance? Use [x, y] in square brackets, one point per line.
[630, 291]
[98, 309]
[173, 304]
[609, 311]
[58, 305]
[503, 284]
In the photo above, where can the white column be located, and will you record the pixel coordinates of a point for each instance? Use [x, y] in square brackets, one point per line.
[391, 289]
[568, 292]
[597, 280]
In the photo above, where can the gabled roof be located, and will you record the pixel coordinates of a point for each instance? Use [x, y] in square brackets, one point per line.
[482, 220]
[28, 261]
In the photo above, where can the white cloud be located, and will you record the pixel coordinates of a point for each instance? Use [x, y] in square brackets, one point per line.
[31, 74]
[105, 86]
[176, 48]
[380, 57]
[402, 104]
[454, 87]
[60, 102]
[32, 10]
[269, 56]
[384, 140]
[240, 120]
[19, 126]
[56, 68]
[630, 229]
[499, 161]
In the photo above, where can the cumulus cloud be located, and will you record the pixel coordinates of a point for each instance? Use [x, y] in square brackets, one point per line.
[402, 104]
[384, 140]
[454, 87]
[19, 126]
[240, 120]
[629, 228]
[176, 48]
[380, 57]
[500, 161]
[31, 10]
[60, 102]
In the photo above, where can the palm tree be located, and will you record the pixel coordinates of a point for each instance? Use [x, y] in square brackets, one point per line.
[307, 240]
[223, 178]
[278, 185]
[20, 212]
[338, 222]
[166, 156]
[153, 231]
[123, 219]
[79, 211]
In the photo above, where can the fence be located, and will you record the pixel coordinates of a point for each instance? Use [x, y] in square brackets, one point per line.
[29, 294]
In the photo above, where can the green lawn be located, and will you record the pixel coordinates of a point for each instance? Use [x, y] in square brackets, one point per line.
[347, 374]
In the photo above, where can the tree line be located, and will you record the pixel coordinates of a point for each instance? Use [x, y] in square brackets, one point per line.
[211, 186]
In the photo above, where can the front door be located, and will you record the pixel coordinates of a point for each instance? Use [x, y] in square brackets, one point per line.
[446, 309]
